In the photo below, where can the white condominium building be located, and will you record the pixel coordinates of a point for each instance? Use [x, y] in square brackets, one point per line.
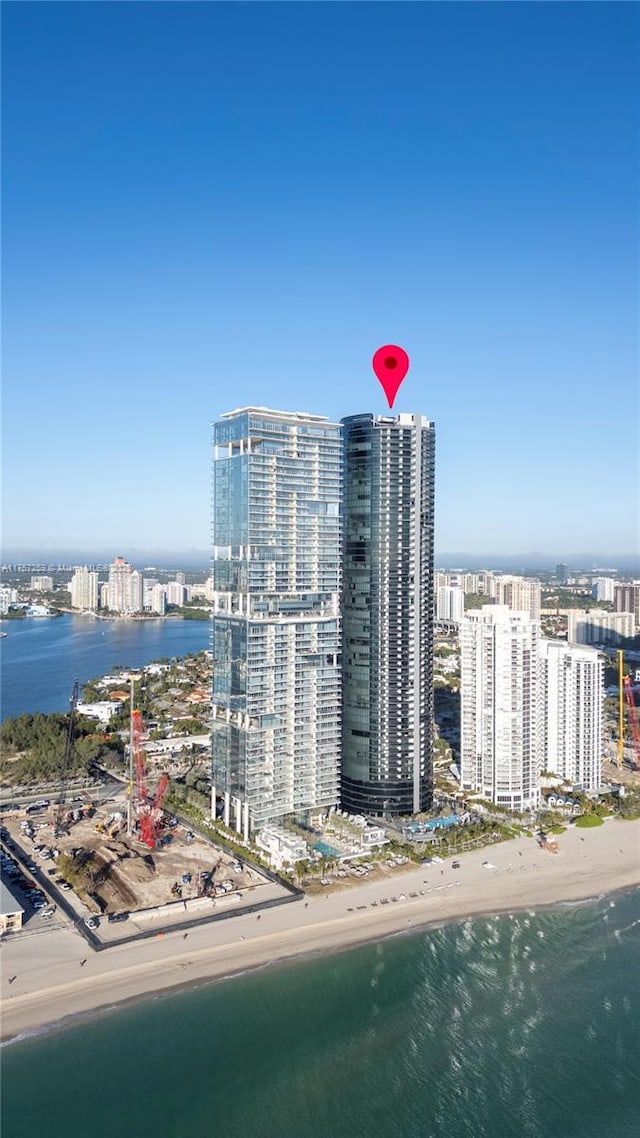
[449, 603]
[42, 584]
[599, 627]
[153, 596]
[482, 582]
[468, 582]
[603, 588]
[571, 707]
[201, 589]
[499, 696]
[487, 583]
[8, 596]
[124, 593]
[520, 594]
[84, 589]
[176, 593]
[158, 599]
[626, 598]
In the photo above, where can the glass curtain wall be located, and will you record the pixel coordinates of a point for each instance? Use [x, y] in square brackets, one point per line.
[276, 625]
[389, 464]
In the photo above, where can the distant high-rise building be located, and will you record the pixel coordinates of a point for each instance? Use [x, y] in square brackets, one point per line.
[487, 583]
[599, 627]
[176, 593]
[626, 598]
[571, 709]
[8, 596]
[42, 583]
[449, 603]
[603, 588]
[158, 599]
[562, 572]
[520, 594]
[469, 582]
[84, 589]
[500, 740]
[276, 624]
[387, 762]
[482, 582]
[124, 592]
[154, 596]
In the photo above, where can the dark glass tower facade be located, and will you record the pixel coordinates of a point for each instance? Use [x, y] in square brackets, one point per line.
[387, 611]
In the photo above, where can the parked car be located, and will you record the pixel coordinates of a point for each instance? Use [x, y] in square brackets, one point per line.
[115, 917]
[91, 922]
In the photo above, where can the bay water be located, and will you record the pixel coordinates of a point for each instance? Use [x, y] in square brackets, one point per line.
[42, 657]
[525, 1025]
[520, 1025]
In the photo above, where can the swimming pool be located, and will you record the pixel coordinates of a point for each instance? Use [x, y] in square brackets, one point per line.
[326, 850]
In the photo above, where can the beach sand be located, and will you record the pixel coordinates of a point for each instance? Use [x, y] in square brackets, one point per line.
[51, 983]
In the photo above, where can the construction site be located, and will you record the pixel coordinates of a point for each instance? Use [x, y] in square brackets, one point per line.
[127, 858]
[114, 871]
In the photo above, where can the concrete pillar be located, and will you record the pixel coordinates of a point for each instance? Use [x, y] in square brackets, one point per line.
[213, 803]
[237, 802]
[245, 821]
[227, 806]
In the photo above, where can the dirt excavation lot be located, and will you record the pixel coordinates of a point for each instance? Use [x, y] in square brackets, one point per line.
[111, 873]
[123, 873]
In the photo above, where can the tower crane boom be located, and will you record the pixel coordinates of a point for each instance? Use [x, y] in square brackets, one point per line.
[633, 719]
[59, 809]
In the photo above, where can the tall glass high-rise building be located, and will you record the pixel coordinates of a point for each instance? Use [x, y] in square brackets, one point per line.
[387, 610]
[276, 625]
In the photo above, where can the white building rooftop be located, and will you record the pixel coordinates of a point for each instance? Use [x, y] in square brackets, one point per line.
[293, 416]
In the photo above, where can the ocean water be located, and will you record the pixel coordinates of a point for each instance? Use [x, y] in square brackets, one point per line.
[525, 1025]
[41, 659]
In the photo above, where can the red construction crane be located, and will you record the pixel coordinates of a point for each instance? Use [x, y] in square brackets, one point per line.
[148, 811]
[633, 719]
[151, 818]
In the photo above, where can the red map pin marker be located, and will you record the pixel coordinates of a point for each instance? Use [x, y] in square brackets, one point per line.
[390, 364]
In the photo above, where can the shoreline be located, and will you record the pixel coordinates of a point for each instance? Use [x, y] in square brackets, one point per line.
[72, 1018]
[589, 866]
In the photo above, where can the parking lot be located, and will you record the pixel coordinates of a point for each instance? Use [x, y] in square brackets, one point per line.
[40, 912]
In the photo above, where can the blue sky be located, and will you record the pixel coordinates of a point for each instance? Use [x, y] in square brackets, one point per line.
[211, 205]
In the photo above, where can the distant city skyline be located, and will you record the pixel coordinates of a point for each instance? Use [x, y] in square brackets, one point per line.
[196, 559]
[181, 238]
